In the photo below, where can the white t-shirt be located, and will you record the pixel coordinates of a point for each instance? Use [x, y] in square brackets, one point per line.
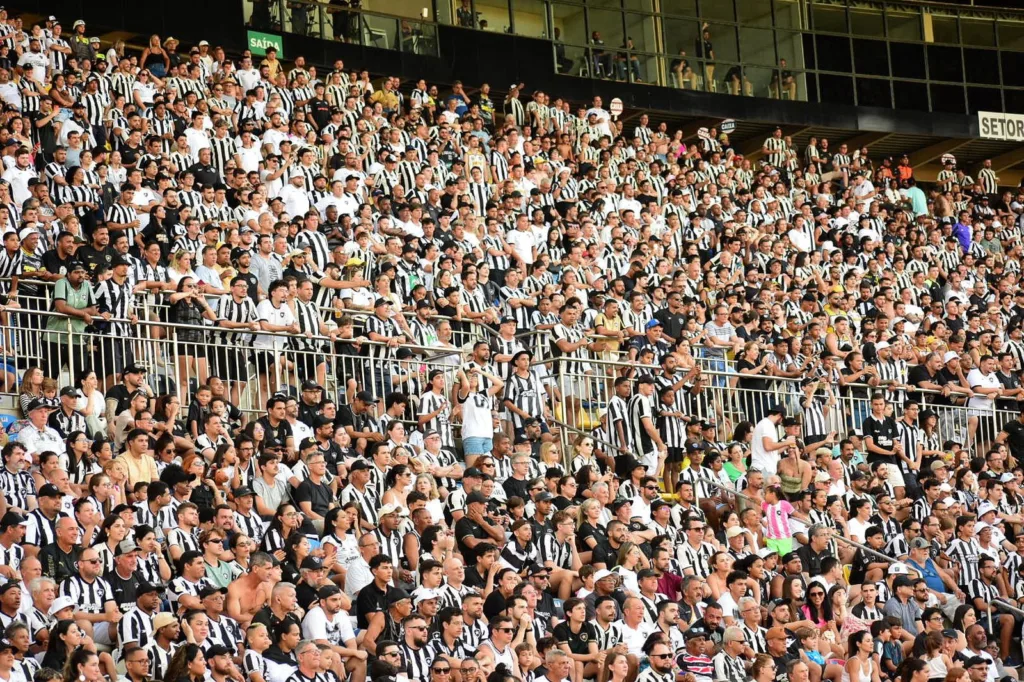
[634, 639]
[337, 630]
[766, 461]
[978, 380]
[523, 242]
[282, 316]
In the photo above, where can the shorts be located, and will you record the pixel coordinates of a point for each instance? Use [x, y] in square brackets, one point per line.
[306, 364]
[191, 350]
[477, 445]
[574, 386]
[231, 364]
[650, 460]
[782, 546]
[101, 633]
[113, 355]
[265, 360]
[675, 455]
[895, 476]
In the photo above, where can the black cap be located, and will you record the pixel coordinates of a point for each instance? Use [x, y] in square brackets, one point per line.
[472, 472]
[536, 569]
[359, 465]
[12, 519]
[694, 633]
[476, 496]
[210, 590]
[8, 586]
[312, 563]
[243, 491]
[133, 368]
[328, 591]
[148, 588]
[307, 443]
[49, 490]
[396, 595]
[544, 496]
[118, 260]
[70, 391]
[310, 385]
[39, 403]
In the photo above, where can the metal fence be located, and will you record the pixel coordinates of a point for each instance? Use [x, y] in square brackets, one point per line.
[717, 396]
[256, 365]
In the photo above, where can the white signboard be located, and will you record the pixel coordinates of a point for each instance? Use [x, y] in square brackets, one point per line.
[727, 126]
[615, 106]
[993, 125]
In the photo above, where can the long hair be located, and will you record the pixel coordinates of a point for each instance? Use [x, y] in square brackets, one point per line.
[56, 645]
[78, 657]
[178, 667]
[605, 674]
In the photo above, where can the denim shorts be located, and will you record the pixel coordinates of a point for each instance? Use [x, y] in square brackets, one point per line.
[477, 445]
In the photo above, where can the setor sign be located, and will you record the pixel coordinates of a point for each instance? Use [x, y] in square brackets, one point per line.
[993, 125]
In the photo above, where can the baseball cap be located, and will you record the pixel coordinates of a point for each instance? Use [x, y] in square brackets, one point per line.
[12, 519]
[243, 491]
[919, 543]
[899, 569]
[49, 490]
[125, 547]
[160, 620]
[328, 591]
[476, 496]
[39, 403]
[210, 590]
[396, 595]
[312, 563]
[61, 603]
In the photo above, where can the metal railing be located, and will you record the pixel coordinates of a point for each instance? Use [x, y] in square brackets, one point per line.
[719, 396]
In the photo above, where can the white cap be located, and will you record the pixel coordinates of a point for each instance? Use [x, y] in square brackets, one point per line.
[881, 345]
[392, 509]
[821, 476]
[985, 508]
[899, 569]
[422, 594]
[948, 501]
[950, 355]
[980, 526]
[602, 574]
[61, 603]
[27, 232]
[945, 488]
[734, 531]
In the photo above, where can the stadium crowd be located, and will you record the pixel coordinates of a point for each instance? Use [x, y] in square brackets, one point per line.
[854, 515]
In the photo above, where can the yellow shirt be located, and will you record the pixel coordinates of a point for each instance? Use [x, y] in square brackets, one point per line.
[142, 469]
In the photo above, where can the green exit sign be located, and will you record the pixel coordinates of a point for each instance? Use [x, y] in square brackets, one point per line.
[260, 42]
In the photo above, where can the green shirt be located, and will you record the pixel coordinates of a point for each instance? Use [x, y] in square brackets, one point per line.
[79, 299]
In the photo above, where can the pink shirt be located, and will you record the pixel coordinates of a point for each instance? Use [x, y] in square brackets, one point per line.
[777, 517]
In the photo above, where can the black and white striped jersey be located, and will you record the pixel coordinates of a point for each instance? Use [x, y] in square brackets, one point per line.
[90, 597]
[417, 662]
[17, 487]
[136, 626]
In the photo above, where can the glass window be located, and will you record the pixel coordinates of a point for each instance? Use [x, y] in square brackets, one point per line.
[829, 17]
[569, 22]
[492, 15]
[418, 37]
[681, 38]
[733, 80]
[758, 46]
[641, 5]
[837, 89]
[754, 12]
[640, 29]
[874, 92]
[645, 68]
[530, 18]
[834, 54]
[903, 24]
[1014, 100]
[948, 98]
[1011, 35]
[944, 64]
[981, 66]
[910, 95]
[572, 60]
[788, 14]
[810, 57]
[1013, 69]
[401, 8]
[723, 42]
[943, 28]
[870, 57]
[609, 4]
[608, 25]
[717, 10]
[446, 12]
[867, 22]
[979, 32]
[379, 31]
[791, 48]
[687, 7]
[984, 99]
[907, 60]
[758, 79]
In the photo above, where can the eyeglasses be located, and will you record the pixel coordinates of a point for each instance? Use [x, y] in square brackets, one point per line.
[390, 653]
[660, 656]
[503, 629]
[140, 661]
[816, 594]
[415, 627]
[441, 671]
[90, 561]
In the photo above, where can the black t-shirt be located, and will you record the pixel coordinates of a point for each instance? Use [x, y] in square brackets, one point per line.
[370, 599]
[1009, 381]
[579, 642]
[918, 375]
[467, 527]
[516, 488]
[124, 589]
[320, 110]
[275, 435]
[750, 381]
[92, 258]
[605, 554]
[55, 264]
[884, 434]
[810, 560]
[317, 494]
[121, 394]
[1015, 437]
